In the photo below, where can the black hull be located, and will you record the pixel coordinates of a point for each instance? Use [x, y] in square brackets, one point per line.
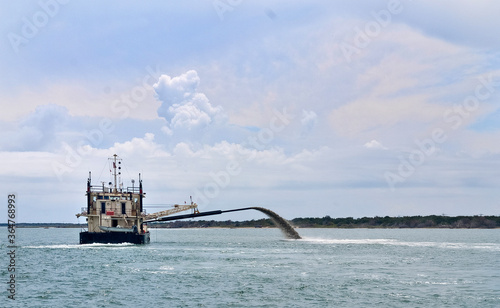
[113, 238]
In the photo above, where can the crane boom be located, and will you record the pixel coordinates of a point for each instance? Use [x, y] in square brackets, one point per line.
[176, 209]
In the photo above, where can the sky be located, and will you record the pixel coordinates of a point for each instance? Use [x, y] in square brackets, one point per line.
[308, 108]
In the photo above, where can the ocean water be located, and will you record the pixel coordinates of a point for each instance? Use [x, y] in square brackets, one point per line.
[258, 268]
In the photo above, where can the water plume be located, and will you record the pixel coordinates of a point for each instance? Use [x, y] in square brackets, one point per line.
[281, 223]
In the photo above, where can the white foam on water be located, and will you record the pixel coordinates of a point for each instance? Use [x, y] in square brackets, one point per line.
[444, 245]
[348, 241]
[80, 246]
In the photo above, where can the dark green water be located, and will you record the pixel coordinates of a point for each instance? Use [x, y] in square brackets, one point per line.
[259, 268]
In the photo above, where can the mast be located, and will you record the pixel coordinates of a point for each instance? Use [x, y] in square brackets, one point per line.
[114, 172]
[140, 194]
[89, 193]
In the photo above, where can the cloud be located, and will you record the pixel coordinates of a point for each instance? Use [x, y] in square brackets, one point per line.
[46, 117]
[309, 120]
[424, 62]
[183, 106]
[39, 130]
[137, 148]
[374, 144]
[166, 130]
[29, 164]
[405, 82]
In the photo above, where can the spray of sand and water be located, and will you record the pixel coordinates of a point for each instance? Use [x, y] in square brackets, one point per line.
[281, 223]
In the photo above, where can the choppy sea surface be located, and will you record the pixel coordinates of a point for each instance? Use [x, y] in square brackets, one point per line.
[258, 268]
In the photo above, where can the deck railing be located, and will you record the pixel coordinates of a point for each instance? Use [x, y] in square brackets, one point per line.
[101, 189]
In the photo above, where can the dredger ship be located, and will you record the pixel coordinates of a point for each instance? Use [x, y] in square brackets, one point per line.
[115, 214]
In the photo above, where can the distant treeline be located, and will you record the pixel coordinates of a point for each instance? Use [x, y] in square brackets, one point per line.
[433, 221]
[47, 225]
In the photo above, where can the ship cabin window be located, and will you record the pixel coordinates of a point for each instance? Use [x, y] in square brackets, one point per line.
[103, 207]
[123, 208]
[106, 197]
[99, 197]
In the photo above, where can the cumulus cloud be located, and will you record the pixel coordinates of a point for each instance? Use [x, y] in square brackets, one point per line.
[374, 144]
[166, 130]
[183, 106]
[137, 148]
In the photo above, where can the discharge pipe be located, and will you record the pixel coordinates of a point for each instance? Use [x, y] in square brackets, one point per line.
[279, 221]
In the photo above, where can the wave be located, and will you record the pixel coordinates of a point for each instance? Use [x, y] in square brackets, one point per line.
[445, 245]
[80, 246]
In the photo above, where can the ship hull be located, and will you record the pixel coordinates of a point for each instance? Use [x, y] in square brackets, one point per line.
[114, 238]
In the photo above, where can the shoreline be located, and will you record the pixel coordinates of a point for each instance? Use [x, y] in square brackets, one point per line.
[405, 222]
